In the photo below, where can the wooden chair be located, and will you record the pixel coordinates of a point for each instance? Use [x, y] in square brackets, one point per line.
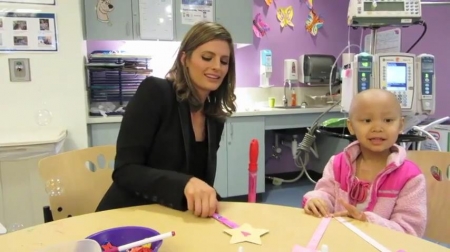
[436, 168]
[76, 180]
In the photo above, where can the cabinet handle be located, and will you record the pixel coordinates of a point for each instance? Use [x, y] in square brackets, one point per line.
[231, 130]
[127, 28]
[231, 133]
[138, 29]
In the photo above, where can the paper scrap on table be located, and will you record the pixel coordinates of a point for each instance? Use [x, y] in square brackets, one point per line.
[285, 15]
[246, 233]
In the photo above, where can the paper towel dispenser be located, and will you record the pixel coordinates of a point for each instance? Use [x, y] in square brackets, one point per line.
[315, 69]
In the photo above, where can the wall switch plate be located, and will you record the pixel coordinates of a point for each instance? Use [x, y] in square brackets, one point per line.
[19, 70]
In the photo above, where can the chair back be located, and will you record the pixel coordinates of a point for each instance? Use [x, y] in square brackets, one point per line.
[76, 181]
[436, 168]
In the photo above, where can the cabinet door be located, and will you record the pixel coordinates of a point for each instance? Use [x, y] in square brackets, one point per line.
[108, 21]
[136, 21]
[182, 29]
[240, 132]
[221, 181]
[237, 17]
[103, 134]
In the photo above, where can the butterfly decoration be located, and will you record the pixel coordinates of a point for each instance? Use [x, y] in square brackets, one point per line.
[309, 3]
[269, 2]
[285, 15]
[260, 28]
[314, 22]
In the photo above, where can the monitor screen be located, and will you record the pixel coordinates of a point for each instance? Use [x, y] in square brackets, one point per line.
[384, 6]
[365, 64]
[396, 74]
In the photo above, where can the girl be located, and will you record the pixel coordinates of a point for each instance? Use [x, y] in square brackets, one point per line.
[371, 180]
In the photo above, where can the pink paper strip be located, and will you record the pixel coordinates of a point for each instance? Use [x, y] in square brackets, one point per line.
[225, 221]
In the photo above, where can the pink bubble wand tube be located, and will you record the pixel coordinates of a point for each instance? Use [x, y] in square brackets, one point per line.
[252, 170]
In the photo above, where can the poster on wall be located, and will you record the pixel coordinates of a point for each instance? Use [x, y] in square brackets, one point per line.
[45, 2]
[388, 41]
[193, 11]
[27, 31]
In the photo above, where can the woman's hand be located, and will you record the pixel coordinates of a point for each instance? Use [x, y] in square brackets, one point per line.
[316, 207]
[350, 211]
[201, 198]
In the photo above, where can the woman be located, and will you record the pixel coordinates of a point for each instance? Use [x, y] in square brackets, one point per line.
[170, 133]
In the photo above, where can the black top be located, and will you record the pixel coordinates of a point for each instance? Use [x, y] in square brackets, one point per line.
[199, 157]
[199, 161]
[155, 150]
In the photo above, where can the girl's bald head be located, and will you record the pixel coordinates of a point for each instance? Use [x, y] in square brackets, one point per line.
[375, 99]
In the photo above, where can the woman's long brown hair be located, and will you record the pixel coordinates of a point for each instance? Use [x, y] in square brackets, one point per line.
[221, 102]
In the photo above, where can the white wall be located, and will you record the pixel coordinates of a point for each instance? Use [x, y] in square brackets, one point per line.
[57, 79]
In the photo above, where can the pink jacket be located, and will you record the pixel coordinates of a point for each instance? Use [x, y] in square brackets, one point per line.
[398, 197]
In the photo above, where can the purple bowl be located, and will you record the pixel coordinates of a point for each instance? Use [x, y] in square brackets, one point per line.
[123, 235]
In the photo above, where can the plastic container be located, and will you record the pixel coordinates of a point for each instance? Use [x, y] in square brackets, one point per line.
[74, 246]
[123, 235]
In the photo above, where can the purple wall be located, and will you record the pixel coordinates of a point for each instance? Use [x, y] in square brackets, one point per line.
[292, 42]
[332, 38]
[436, 42]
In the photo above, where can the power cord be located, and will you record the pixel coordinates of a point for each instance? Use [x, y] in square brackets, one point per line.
[421, 36]
[422, 129]
[417, 128]
[305, 148]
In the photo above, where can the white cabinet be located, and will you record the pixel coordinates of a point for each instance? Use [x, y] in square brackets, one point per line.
[240, 132]
[22, 191]
[221, 181]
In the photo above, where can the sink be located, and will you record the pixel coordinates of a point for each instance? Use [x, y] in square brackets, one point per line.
[299, 107]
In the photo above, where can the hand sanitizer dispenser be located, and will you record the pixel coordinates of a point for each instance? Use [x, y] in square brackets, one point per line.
[265, 68]
[290, 70]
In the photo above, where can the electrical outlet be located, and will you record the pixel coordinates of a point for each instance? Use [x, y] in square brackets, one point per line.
[19, 70]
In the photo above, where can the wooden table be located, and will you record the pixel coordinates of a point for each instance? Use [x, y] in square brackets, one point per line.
[287, 226]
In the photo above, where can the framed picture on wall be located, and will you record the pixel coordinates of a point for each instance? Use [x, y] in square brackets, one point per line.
[44, 2]
[29, 32]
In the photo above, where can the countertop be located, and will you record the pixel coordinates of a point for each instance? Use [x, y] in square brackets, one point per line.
[239, 113]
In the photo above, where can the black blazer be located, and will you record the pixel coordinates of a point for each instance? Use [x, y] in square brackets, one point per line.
[153, 150]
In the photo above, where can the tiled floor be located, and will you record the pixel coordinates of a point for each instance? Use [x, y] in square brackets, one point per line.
[290, 194]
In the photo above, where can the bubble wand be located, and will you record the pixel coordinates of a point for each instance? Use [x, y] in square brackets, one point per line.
[252, 170]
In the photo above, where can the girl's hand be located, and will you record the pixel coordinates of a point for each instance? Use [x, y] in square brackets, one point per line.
[351, 211]
[316, 207]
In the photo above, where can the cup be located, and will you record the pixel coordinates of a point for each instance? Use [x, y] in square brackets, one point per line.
[271, 102]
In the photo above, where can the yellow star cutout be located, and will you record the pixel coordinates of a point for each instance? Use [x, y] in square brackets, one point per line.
[246, 233]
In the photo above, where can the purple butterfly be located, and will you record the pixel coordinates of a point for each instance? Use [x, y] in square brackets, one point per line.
[260, 28]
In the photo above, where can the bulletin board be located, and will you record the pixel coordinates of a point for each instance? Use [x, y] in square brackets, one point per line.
[388, 41]
[28, 32]
[44, 2]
